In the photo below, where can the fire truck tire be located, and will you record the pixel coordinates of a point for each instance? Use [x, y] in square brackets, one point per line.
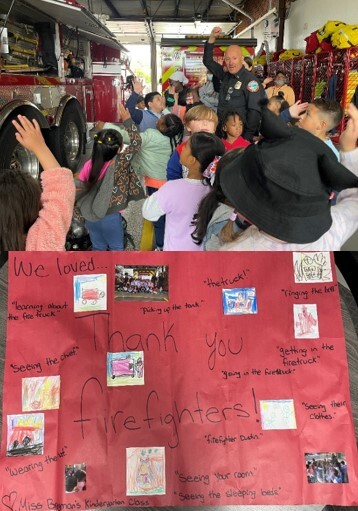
[67, 140]
[12, 154]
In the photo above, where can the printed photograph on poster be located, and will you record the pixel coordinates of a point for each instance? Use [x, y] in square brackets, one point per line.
[125, 368]
[75, 478]
[278, 414]
[312, 267]
[145, 471]
[326, 467]
[173, 56]
[142, 283]
[40, 393]
[240, 301]
[25, 434]
[306, 321]
[90, 292]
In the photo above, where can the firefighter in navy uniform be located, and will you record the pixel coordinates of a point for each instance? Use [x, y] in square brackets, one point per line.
[240, 90]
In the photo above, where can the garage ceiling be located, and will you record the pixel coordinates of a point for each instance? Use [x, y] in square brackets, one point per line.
[142, 21]
[137, 21]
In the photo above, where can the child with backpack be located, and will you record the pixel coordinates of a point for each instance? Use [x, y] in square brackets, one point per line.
[150, 162]
[109, 183]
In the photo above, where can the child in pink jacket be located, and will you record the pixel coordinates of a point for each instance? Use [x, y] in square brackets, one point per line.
[31, 217]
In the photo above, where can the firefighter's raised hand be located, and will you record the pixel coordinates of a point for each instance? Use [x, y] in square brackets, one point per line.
[28, 134]
[216, 31]
[138, 86]
[123, 112]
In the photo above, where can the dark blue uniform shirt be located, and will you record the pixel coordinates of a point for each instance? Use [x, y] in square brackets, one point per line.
[240, 93]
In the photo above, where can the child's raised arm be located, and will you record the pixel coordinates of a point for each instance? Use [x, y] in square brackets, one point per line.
[29, 136]
[135, 113]
[58, 191]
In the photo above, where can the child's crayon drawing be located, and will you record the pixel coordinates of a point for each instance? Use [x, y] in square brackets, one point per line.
[40, 393]
[90, 292]
[145, 471]
[306, 321]
[278, 414]
[310, 267]
[25, 434]
[125, 368]
[240, 301]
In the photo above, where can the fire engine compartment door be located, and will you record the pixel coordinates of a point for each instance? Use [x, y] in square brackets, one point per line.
[72, 15]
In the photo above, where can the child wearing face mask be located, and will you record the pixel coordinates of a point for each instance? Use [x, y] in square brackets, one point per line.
[280, 85]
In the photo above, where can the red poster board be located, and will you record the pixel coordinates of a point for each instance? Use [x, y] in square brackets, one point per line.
[175, 393]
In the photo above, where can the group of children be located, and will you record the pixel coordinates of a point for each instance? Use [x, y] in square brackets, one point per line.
[327, 471]
[206, 192]
[133, 285]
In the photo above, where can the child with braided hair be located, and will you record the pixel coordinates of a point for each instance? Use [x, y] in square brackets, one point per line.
[108, 184]
[150, 162]
[157, 146]
[216, 221]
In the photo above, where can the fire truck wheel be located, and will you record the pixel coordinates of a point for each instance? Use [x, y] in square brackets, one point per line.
[13, 155]
[67, 139]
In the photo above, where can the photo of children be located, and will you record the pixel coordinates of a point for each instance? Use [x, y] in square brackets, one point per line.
[142, 283]
[326, 467]
[75, 478]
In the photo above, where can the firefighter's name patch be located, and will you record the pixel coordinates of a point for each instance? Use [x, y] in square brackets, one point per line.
[253, 86]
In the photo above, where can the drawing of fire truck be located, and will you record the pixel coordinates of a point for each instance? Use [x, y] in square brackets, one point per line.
[92, 295]
[123, 367]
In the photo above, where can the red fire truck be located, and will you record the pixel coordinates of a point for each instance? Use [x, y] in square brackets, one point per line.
[60, 65]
